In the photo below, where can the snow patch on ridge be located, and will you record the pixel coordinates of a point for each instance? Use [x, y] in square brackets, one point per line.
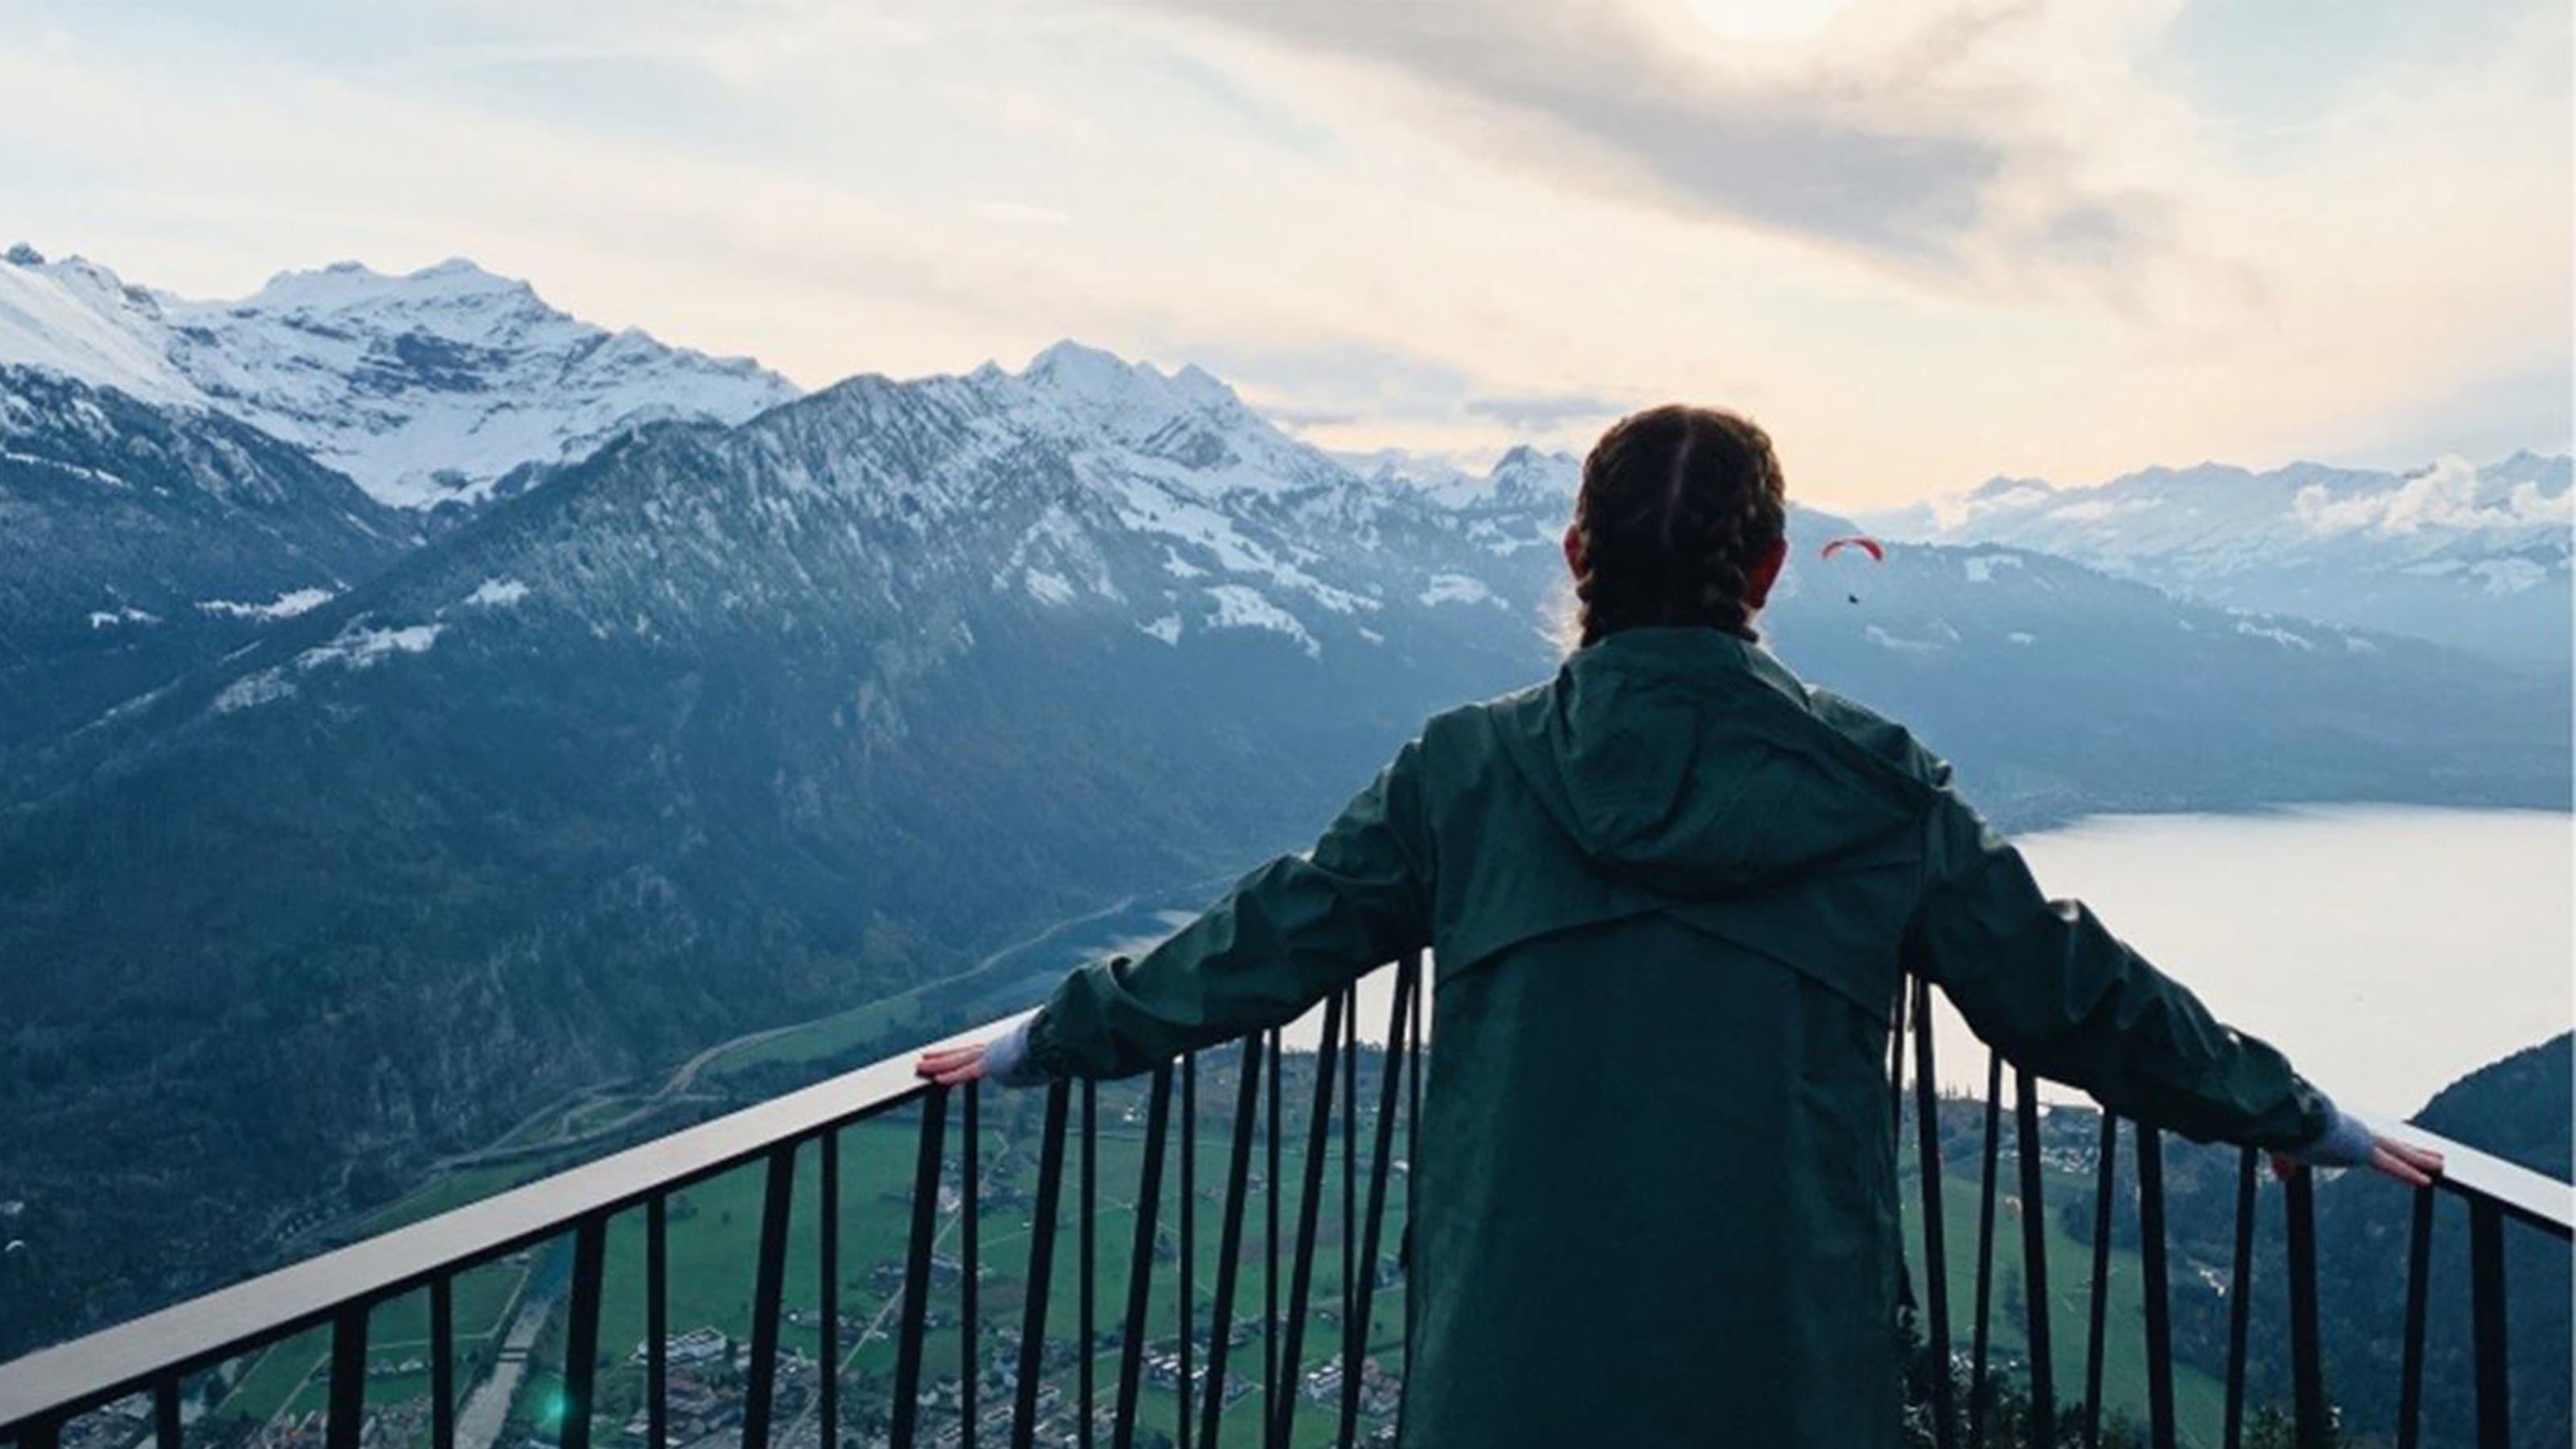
[99, 476]
[253, 689]
[1456, 589]
[1941, 636]
[1053, 590]
[1899, 644]
[2282, 637]
[285, 606]
[1239, 607]
[357, 647]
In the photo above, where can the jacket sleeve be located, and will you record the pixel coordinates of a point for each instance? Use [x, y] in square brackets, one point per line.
[2046, 984]
[1285, 937]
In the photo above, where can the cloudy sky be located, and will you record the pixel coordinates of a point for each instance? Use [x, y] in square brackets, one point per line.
[1926, 241]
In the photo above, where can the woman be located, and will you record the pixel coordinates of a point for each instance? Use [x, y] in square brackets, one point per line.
[1670, 895]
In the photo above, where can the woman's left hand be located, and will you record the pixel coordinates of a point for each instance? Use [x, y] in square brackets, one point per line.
[2404, 1161]
[954, 1065]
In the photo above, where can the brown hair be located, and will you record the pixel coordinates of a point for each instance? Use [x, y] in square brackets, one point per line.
[1677, 506]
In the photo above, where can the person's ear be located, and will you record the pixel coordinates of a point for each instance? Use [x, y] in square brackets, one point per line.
[1574, 550]
[1764, 573]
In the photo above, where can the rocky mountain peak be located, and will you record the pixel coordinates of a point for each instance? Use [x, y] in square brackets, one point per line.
[1526, 475]
[345, 286]
[1137, 398]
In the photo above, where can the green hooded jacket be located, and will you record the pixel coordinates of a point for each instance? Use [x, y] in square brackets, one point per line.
[1670, 897]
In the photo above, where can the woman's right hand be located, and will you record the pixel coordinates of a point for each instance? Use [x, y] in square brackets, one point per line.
[952, 1066]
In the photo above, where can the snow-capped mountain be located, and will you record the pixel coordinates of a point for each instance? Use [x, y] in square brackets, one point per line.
[425, 389]
[2472, 556]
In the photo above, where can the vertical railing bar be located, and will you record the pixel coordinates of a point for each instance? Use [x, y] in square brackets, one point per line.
[1896, 1066]
[2240, 1302]
[906, 1414]
[1413, 967]
[1270, 1250]
[1284, 1415]
[1936, 1258]
[166, 1430]
[1412, 1137]
[827, 1310]
[2307, 1374]
[581, 1335]
[1905, 1301]
[1087, 1309]
[1238, 1183]
[442, 1362]
[348, 1391]
[970, 1212]
[2034, 1248]
[1978, 1336]
[2410, 1380]
[768, 1288]
[2487, 1321]
[1381, 1161]
[1185, 1282]
[2158, 1289]
[1350, 1201]
[2098, 1311]
[1140, 1263]
[1042, 1232]
[657, 1322]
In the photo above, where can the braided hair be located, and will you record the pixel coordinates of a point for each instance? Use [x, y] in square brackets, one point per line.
[1677, 506]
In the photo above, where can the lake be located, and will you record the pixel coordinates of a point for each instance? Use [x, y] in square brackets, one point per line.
[2387, 949]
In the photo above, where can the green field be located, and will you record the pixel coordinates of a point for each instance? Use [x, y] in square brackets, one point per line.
[2199, 1398]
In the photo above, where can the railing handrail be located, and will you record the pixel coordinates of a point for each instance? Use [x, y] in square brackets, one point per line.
[54, 1383]
[2534, 1197]
[99, 1368]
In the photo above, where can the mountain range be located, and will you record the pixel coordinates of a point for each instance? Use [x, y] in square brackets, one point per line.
[2471, 556]
[353, 799]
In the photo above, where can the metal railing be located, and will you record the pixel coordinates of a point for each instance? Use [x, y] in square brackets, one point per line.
[153, 1358]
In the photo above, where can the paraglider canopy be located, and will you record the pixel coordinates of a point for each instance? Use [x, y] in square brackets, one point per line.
[1876, 551]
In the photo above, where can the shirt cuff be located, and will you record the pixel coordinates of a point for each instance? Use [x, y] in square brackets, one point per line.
[1007, 1060]
[2347, 1142]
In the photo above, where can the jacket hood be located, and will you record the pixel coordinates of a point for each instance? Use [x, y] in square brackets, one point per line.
[1692, 763]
